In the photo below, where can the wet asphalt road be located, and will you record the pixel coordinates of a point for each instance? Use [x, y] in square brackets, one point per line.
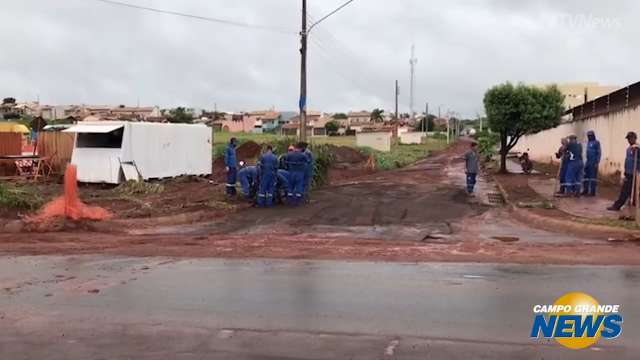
[90, 307]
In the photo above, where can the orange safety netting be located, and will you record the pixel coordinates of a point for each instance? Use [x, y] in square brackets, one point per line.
[69, 205]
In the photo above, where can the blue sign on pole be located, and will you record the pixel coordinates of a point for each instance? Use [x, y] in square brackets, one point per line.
[302, 103]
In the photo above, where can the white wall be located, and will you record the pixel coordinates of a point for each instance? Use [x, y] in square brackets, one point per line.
[412, 137]
[377, 140]
[610, 129]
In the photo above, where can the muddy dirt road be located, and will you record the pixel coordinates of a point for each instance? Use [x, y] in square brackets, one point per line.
[419, 213]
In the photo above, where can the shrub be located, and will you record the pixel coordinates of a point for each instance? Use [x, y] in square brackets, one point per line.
[487, 143]
[400, 156]
[23, 199]
[321, 154]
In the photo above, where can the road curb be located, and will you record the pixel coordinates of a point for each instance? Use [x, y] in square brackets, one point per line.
[569, 226]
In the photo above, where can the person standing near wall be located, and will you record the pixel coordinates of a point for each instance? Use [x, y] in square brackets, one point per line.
[574, 166]
[594, 154]
[562, 173]
[631, 169]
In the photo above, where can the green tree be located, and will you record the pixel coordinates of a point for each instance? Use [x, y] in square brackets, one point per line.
[11, 116]
[426, 124]
[332, 127]
[180, 115]
[514, 111]
[9, 100]
[377, 115]
[340, 116]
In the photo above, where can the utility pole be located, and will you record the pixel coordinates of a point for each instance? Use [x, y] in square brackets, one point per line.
[412, 61]
[448, 127]
[304, 34]
[397, 93]
[425, 123]
[303, 74]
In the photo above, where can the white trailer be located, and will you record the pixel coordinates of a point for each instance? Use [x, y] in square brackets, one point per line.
[112, 152]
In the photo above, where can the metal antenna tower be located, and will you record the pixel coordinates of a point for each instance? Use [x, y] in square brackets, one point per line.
[413, 61]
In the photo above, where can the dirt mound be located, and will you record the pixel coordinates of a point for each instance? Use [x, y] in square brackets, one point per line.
[248, 150]
[345, 154]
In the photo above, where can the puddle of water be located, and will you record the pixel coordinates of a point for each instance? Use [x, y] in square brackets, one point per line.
[507, 239]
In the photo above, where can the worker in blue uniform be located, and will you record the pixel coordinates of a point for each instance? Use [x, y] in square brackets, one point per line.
[562, 156]
[296, 163]
[248, 177]
[574, 166]
[594, 154]
[268, 165]
[282, 185]
[631, 163]
[231, 166]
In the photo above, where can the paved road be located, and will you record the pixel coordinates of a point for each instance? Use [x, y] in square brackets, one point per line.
[92, 307]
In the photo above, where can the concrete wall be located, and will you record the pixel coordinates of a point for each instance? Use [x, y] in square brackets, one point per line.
[377, 140]
[412, 137]
[610, 129]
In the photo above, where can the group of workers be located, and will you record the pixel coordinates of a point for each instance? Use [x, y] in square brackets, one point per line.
[580, 178]
[285, 179]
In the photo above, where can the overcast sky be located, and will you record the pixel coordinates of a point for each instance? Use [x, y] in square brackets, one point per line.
[86, 51]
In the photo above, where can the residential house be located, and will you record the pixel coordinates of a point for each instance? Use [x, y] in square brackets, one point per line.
[265, 121]
[290, 129]
[359, 117]
[315, 127]
[135, 113]
[234, 122]
[359, 121]
[311, 116]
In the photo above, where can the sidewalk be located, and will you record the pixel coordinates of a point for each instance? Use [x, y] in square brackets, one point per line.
[531, 197]
[587, 207]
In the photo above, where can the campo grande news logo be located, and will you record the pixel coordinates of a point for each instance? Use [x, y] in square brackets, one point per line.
[576, 320]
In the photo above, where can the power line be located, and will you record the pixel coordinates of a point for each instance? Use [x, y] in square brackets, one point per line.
[329, 14]
[202, 18]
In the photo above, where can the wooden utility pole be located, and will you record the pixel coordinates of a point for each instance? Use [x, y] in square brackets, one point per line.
[397, 93]
[425, 123]
[303, 74]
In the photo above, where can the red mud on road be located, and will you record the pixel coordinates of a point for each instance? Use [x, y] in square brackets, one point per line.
[385, 206]
[309, 247]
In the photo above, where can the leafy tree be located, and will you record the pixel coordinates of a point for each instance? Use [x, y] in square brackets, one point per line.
[11, 116]
[332, 127]
[340, 116]
[514, 111]
[180, 115]
[377, 115]
[430, 123]
[9, 100]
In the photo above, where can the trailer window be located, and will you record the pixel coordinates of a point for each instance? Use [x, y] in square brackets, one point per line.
[111, 140]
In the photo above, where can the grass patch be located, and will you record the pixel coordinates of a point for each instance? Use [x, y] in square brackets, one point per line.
[24, 198]
[403, 155]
